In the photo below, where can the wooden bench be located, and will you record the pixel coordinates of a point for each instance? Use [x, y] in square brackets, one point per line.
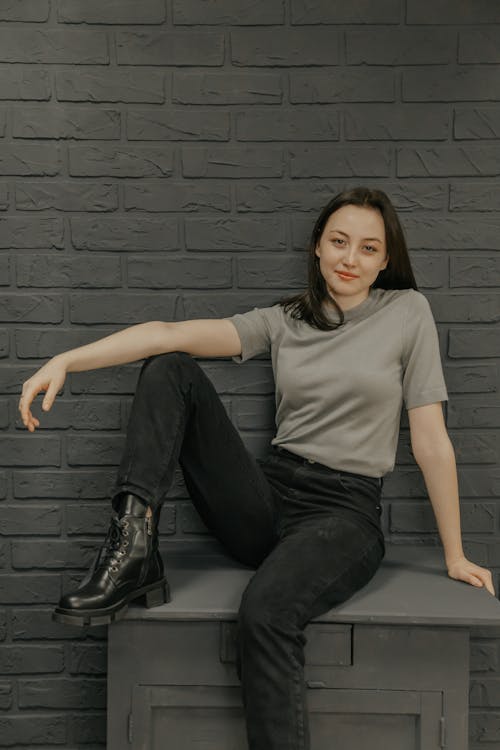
[386, 670]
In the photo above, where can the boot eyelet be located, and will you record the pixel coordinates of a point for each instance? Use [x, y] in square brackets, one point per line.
[125, 533]
[115, 570]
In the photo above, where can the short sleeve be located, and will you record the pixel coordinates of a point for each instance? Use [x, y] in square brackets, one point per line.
[423, 378]
[255, 329]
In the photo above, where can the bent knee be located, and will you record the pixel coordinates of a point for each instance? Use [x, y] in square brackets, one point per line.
[168, 359]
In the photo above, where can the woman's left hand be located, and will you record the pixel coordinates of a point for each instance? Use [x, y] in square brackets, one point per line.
[463, 569]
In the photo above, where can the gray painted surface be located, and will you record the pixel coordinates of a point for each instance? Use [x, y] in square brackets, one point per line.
[388, 668]
[166, 160]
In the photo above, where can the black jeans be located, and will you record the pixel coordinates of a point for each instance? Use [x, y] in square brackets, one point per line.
[312, 532]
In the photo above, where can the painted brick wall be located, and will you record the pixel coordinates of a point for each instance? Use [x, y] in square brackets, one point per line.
[165, 159]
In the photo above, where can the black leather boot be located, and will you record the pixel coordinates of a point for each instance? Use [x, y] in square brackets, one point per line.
[128, 566]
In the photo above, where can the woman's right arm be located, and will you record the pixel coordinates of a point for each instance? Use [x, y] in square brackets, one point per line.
[205, 337]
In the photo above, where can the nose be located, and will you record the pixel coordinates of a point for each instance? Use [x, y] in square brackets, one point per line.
[349, 257]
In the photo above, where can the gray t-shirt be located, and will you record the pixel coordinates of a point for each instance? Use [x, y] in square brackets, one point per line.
[339, 393]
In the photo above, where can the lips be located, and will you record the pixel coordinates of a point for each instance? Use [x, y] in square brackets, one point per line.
[346, 275]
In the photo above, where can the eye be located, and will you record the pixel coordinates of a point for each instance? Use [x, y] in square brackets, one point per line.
[337, 239]
[370, 247]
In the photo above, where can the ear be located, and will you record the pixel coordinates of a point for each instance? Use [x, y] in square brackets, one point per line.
[385, 263]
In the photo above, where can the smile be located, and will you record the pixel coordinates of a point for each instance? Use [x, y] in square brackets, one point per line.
[344, 276]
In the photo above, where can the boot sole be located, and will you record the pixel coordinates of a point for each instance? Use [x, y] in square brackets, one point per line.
[153, 596]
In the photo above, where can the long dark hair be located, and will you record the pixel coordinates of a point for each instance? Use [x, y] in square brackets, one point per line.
[398, 273]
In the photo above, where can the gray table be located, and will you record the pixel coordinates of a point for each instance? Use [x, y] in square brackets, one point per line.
[388, 669]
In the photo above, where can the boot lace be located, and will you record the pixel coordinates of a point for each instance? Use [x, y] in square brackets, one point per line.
[115, 544]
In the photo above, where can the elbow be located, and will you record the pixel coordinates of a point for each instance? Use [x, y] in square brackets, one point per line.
[425, 451]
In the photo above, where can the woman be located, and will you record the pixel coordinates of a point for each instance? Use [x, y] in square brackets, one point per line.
[346, 354]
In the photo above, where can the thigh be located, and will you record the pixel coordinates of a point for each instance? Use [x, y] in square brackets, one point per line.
[310, 570]
[225, 481]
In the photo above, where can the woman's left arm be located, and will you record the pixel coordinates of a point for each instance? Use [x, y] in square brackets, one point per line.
[435, 456]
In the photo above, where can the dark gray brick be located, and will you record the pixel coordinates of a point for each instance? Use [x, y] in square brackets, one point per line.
[33, 729]
[50, 271]
[459, 231]
[30, 159]
[406, 122]
[51, 342]
[30, 450]
[473, 412]
[3, 115]
[92, 414]
[228, 12]
[120, 309]
[53, 46]
[401, 46]
[467, 343]
[430, 269]
[208, 273]
[31, 308]
[414, 518]
[484, 656]
[474, 447]
[322, 161]
[471, 378]
[297, 124]
[77, 195]
[110, 86]
[343, 85]
[474, 270]
[475, 83]
[190, 521]
[285, 47]
[281, 272]
[97, 451]
[477, 123]
[4, 204]
[227, 88]
[122, 379]
[240, 234]
[30, 232]
[31, 659]
[89, 727]
[450, 12]
[28, 520]
[226, 162]
[26, 10]
[460, 308]
[178, 124]
[25, 588]
[5, 695]
[122, 234]
[255, 414]
[3, 631]
[61, 484]
[309, 195]
[49, 554]
[174, 48]
[61, 693]
[25, 84]
[451, 161]
[66, 122]
[4, 270]
[3, 484]
[112, 11]
[474, 196]
[254, 379]
[479, 45]
[88, 519]
[32, 623]
[128, 161]
[188, 195]
[4, 345]
[336, 11]
[87, 658]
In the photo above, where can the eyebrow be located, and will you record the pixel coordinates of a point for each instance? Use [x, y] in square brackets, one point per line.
[372, 239]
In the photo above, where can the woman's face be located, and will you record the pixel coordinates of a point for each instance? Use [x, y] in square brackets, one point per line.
[352, 242]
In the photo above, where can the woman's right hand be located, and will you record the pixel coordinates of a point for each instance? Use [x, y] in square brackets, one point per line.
[49, 378]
